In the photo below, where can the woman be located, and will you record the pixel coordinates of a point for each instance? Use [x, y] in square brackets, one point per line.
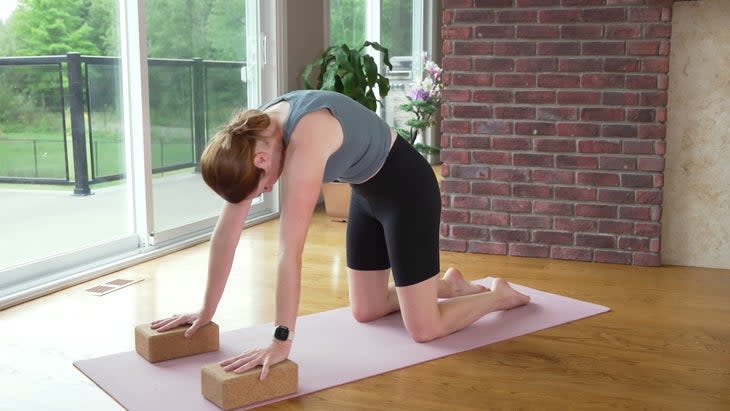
[305, 138]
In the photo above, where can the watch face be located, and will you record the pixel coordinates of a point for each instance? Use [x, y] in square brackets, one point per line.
[281, 333]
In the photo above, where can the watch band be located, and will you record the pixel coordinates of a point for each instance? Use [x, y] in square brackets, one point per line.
[283, 333]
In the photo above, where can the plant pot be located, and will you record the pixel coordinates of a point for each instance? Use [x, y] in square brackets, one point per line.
[337, 200]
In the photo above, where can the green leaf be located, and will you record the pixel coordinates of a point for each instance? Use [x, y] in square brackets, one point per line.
[403, 133]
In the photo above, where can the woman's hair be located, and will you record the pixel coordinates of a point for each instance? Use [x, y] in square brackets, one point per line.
[227, 162]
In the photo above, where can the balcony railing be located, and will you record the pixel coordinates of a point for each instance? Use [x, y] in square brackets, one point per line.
[80, 96]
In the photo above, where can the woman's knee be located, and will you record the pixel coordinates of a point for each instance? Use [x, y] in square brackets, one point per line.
[422, 333]
[364, 313]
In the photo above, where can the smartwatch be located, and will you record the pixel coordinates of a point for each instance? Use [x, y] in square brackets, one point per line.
[282, 333]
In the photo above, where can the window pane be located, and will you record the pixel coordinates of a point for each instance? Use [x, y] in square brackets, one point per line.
[347, 22]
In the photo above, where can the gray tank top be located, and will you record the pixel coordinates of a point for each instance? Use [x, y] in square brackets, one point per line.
[366, 137]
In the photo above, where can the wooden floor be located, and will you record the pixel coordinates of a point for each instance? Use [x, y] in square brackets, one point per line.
[665, 344]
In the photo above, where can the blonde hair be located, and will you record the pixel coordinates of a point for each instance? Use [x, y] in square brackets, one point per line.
[227, 162]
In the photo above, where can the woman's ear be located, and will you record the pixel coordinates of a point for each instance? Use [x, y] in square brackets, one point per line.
[261, 160]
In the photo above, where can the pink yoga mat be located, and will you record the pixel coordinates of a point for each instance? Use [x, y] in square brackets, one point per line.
[331, 349]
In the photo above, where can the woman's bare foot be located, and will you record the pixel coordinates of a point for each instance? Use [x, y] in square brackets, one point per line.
[456, 286]
[508, 297]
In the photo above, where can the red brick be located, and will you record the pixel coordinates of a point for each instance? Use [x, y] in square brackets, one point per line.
[514, 112]
[623, 31]
[655, 65]
[661, 115]
[581, 32]
[456, 32]
[651, 163]
[578, 130]
[538, 64]
[642, 48]
[471, 202]
[494, 64]
[558, 80]
[576, 162]
[492, 3]
[648, 230]
[645, 14]
[517, 16]
[618, 163]
[458, 4]
[583, 3]
[532, 191]
[558, 113]
[533, 160]
[530, 221]
[556, 145]
[597, 179]
[447, 47]
[595, 241]
[494, 32]
[493, 96]
[537, 3]
[491, 189]
[456, 126]
[578, 97]
[633, 244]
[660, 146]
[620, 98]
[616, 196]
[490, 218]
[447, 17]
[640, 115]
[553, 237]
[615, 227]
[454, 216]
[462, 232]
[530, 128]
[552, 208]
[618, 130]
[602, 80]
[664, 48]
[514, 48]
[471, 48]
[491, 157]
[473, 16]
[604, 15]
[634, 213]
[472, 79]
[456, 63]
[571, 253]
[452, 245]
[599, 146]
[455, 186]
[455, 156]
[662, 82]
[659, 31]
[638, 147]
[487, 248]
[575, 225]
[479, 111]
[641, 81]
[493, 127]
[514, 80]
[666, 14]
[470, 142]
[510, 174]
[580, 64]
[456, 95]
[560, 16]
[655, 213]
[529, 250]
[508, 236]
[602, 114]
[615, 257]
[535, 97]
[541, 31]
[637, 180]
[599, 211]
[653, 98]
[511, 143]
[649, 197]
[553, 176]
[558, 48]
[511, 205]
[624, 65]
[603, 48]
[575, 193]
[647, 259]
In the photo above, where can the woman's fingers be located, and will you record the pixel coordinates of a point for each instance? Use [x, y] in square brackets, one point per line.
[265, 367]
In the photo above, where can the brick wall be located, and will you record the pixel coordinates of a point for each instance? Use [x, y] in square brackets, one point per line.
[553, 127]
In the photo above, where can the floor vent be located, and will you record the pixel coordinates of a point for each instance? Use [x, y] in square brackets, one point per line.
[110, 286]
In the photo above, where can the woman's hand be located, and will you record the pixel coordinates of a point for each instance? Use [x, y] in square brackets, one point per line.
[275, 353]
[196, 320]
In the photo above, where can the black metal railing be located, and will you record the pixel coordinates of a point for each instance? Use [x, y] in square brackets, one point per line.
[188, 99]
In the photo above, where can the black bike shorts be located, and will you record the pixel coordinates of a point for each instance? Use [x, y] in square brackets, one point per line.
[394, 218]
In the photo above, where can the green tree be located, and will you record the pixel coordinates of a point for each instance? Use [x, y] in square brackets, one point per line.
[227, 30]
[51, 27]
[347, 22]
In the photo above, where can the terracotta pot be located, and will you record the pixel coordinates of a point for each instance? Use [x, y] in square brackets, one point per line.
[337, 200]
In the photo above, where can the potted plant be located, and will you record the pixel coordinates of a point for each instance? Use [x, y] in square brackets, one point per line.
[423, 103]
[354, 73]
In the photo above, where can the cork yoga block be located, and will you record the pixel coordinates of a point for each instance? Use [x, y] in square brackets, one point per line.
[157, 346]
[229, 390]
